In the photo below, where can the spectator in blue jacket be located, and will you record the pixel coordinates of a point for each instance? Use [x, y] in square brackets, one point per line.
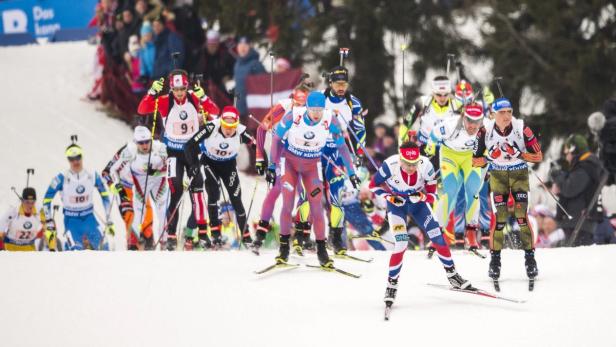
[147, 51]
[247, 63]
[165, 43]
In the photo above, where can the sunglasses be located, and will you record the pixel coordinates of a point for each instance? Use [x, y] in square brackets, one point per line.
[76, 158]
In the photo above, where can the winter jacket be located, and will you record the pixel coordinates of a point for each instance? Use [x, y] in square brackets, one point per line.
[244, 66]
[577, 188]
[166, 43]
[147, 53]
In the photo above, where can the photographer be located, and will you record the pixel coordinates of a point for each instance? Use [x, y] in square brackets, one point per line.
[576, 187]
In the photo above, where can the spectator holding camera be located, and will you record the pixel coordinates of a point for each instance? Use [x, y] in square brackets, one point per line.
[576, 187]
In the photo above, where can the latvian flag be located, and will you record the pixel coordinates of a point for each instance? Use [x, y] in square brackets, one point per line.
[258, 90]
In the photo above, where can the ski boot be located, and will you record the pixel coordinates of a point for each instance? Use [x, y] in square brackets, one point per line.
[262, 229]
[471, 237]
[172, 242]
[336, 234]
[495, 265]
[298, 242]
[323, 256]
[133, 248]
[456, 280]
[431, 251]
[283, 253]
[148, 243]
[246, 238]
[204, 241]
[459, 244]
[391, 290]
[216, 236]
[531, 263]
[308, 244]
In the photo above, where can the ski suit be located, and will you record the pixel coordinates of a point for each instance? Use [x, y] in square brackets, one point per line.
[219, 162]
[505, 152]
[181, 120]
[20, 230]
[390, 179]
[297, 148]
[457, 171]
[157, 189]
[77, 191]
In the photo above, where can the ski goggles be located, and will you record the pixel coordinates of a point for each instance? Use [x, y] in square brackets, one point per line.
[230, 123]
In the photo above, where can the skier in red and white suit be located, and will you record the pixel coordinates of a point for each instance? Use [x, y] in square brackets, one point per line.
[183, 113]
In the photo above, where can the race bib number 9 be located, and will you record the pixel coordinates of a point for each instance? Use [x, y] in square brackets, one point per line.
[183, 128]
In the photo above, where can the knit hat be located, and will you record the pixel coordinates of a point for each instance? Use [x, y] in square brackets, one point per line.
[576, 144]
[146, 28]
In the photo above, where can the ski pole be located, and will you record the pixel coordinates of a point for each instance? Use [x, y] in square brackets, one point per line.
[16, 193]
[147, 175]
[551, 194]
[252, 199]
[344, 53]
[28, 173]
[175, 208]
[250, 116]
[224, 198]
[500, 90]
[271, 55]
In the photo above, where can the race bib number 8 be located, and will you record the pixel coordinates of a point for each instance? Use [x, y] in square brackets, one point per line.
[183, 128]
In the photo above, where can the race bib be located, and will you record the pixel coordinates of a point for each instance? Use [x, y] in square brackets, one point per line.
[183, 128]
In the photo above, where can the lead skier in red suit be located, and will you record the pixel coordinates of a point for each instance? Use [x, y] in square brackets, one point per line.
[183, 113]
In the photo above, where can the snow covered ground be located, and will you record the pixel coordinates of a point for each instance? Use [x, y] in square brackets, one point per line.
[188, 299]
[214, 299]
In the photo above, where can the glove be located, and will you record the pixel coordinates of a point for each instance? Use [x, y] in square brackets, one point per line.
[494, 153]
[50, 236]
[270, 175]
[260, 167]
[418, 197]
[107, 177]
[198, 91]
[50, 225]
[430, 149]
[395, 200]
[355, 181]
[488, 96]
[512, 151]
[359, 160]
[152, 171]
[116, 188]
[193, 170]
[157, 87]
[109, 229]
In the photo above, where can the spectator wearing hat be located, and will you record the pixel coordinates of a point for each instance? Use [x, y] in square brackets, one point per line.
[166, 42]
[576, 187]
[216, 65]
[147, 53]
[247, 63]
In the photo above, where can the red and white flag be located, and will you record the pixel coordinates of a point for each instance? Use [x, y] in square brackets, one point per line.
[258, 90]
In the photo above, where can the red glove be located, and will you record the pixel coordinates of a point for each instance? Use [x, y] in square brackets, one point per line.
[512, 151]
[494, 153]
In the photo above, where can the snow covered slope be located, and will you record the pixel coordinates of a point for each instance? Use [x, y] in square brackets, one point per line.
[214, 299]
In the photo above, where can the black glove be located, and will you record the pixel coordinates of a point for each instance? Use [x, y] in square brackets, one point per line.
[359, 160]
[260, 167]
[355, 181]
[270, 175]
[152, 171]
[193, 170]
